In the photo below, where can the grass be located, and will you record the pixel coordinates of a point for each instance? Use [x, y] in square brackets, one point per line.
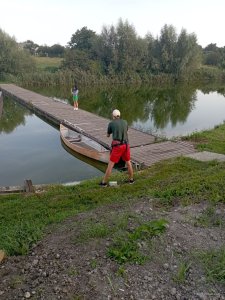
[108, 226]
[48, 63]
[214, 264]
[25, 218]
[126, 246]
[209, 218]
[182, 272]
[210, 140]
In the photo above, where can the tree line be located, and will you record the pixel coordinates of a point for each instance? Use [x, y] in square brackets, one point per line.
[116, 51]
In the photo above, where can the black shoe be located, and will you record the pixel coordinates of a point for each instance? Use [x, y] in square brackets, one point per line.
[103, 184]
[130, 181]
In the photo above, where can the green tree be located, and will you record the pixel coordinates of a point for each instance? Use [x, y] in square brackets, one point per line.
[127, 47]
[83, 39]
[107, 51]
[166, 46]
[13, 59]
[43, 50]
[56, 51]
[151, 61]
[212, 55]
[187, 54]
[30, 46]
[81, 52]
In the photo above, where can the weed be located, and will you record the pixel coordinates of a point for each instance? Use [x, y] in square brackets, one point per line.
[121, 271]
[93, 263]
[182, 272]
[92, 231]
[72, 272]
[126, 247]
[111, 285]
[110, 224]
[214, 264]
[16, 281]
[209, 218]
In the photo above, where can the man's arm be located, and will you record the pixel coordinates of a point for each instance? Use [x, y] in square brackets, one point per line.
[109, 130]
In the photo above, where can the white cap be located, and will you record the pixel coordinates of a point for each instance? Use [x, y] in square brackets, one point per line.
[116, 113]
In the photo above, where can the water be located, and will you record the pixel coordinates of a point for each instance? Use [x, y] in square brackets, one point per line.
[207, 111]
[31, 148]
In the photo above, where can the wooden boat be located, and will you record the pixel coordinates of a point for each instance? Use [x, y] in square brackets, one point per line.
[83, 145]
[101, 166]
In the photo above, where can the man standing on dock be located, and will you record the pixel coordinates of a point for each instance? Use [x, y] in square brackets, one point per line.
[120, 146]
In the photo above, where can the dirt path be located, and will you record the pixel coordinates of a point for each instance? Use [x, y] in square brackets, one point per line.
[69, 264]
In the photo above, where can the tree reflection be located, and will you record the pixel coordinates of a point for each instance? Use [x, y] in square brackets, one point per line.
[13, 114]
[140, 103]
[161, 105]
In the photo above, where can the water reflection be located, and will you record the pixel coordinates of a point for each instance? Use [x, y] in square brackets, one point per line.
[160, 110]
[97, 164]
[172, 103]
[31, 149]
[12, 115]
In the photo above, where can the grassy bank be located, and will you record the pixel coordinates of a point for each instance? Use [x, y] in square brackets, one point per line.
[210, 140]
[47, 63]
[26, 218]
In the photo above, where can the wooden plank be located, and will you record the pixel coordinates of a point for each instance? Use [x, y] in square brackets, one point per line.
[150, 154]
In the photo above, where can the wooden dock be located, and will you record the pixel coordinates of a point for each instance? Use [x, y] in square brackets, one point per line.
[144, 150]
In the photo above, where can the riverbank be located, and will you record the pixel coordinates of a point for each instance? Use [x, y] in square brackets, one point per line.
[160, 238]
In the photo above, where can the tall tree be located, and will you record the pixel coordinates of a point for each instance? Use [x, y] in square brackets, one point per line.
[167, 45]
[83, 39]
[126, 47]
[152, 55]
[82, 51]
[107, 51]
[187, 53]
[13, 59]
[30, 46]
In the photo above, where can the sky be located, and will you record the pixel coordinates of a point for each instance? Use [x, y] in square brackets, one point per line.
[49, 22]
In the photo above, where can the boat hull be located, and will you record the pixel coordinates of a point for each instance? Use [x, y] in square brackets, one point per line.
[83, 145]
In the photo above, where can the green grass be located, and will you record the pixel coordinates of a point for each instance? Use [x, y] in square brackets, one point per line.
[214, 264]
[25, 218]
[47, 63]
[182, 272]
[209, 218]
[126, 245]
[104, 227]
[210, 140]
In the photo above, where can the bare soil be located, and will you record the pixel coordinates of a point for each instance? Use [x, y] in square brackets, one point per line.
[61, 266]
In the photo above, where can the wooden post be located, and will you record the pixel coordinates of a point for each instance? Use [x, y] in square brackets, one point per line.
[28, 186]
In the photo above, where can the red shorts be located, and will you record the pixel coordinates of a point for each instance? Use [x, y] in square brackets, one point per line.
[120, 151]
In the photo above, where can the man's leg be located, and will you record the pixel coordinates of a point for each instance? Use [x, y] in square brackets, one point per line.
[108, 171]
[130, 170]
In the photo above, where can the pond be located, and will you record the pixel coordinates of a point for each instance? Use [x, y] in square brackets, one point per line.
[31, 148]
